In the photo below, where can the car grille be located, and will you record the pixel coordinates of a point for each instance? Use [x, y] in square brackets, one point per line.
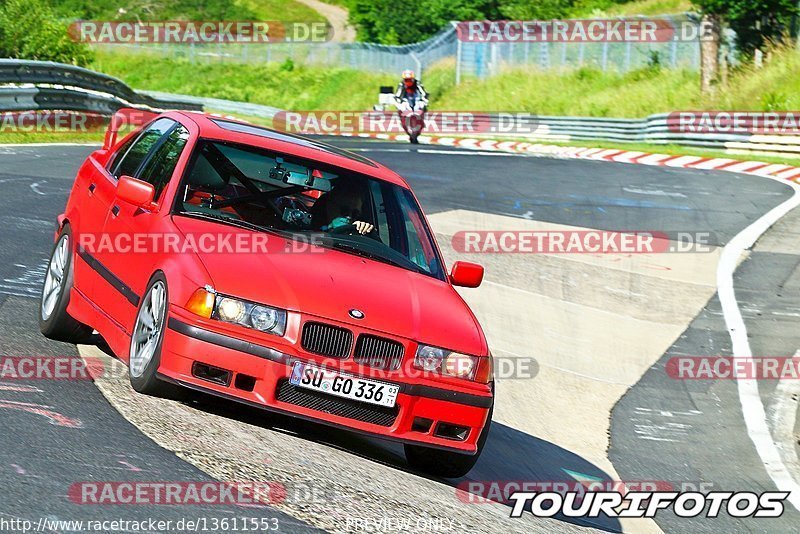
[322, 402]
[379, 352]
[326, 340]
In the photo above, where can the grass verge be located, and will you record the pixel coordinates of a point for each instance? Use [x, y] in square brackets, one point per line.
[284, 85]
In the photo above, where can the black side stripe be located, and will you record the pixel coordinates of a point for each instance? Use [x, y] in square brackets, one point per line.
[108, 276]
[227, 341]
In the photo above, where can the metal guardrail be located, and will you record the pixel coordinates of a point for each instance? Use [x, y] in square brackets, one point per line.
[42, 85]
[218, 104]
[658, 129]
[67, 87]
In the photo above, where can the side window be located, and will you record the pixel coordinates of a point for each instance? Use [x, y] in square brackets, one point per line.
[133, 159]
[159, 168]
[112, 168]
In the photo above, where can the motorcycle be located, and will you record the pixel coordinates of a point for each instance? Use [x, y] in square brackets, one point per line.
[412, 118]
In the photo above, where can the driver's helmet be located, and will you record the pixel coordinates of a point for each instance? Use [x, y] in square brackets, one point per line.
[408, 77]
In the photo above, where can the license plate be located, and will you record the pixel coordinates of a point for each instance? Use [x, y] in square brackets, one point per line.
[342, 385]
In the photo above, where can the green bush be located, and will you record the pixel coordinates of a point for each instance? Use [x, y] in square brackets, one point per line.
[392, 22]
[29, 29]
[132, 10]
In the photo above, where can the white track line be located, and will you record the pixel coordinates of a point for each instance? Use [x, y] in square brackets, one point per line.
[755, 417]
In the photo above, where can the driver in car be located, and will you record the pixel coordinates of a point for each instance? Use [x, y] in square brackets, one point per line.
[342, 206]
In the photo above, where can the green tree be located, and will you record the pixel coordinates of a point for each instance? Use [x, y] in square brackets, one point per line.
[757, 23]
[29, 29]
[393, 22]
[541, 10]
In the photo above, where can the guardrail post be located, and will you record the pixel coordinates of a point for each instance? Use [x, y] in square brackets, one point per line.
[458, 62]
[419, 64]
[673, 52]
[628, 46]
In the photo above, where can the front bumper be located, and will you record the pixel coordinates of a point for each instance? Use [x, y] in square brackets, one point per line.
[259, 377]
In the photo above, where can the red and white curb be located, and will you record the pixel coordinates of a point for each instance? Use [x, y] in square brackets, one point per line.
[759, 168]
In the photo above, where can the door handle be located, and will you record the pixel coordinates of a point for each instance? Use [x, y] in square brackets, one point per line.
[115, 211]
[92, 187]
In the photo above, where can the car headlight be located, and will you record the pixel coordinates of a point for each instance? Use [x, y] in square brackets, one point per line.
[455, 364]
[249, 314]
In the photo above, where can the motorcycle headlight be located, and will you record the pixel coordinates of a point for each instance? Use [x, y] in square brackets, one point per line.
[447, 362]
[251, 315]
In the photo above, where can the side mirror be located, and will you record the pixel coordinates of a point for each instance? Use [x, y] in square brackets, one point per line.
[466, 274]
[136, 192]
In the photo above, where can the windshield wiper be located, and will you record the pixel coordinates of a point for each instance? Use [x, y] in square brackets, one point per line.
[226, 220]
[377, 257]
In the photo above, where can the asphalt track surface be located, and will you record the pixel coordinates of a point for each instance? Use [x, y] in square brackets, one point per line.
[40, 459]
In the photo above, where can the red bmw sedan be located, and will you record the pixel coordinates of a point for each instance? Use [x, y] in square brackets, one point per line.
[276, 271]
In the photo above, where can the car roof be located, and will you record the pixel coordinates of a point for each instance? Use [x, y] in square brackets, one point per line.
[237, 131]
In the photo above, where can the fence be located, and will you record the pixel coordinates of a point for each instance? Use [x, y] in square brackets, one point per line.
[487, 59]
[472, 59]
[358, 56]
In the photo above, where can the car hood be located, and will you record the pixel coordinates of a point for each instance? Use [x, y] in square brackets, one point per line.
[328, 283]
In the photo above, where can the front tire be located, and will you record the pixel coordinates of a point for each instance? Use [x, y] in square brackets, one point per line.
[147, 338]
[54, 321]
[446, 464]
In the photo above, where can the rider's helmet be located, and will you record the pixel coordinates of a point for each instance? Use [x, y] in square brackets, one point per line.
[408, 77]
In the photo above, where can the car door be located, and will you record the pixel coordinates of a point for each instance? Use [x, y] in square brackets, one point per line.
[91, 197]
[130, 262]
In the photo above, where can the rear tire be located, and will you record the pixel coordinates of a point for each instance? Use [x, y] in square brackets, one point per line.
[147, 338]
[446, 464]
[54, 321]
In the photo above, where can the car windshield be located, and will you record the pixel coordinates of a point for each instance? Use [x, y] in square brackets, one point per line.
[335, 208]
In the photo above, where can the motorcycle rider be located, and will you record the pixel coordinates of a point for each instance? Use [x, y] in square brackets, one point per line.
[411, 90]
[411, 100]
